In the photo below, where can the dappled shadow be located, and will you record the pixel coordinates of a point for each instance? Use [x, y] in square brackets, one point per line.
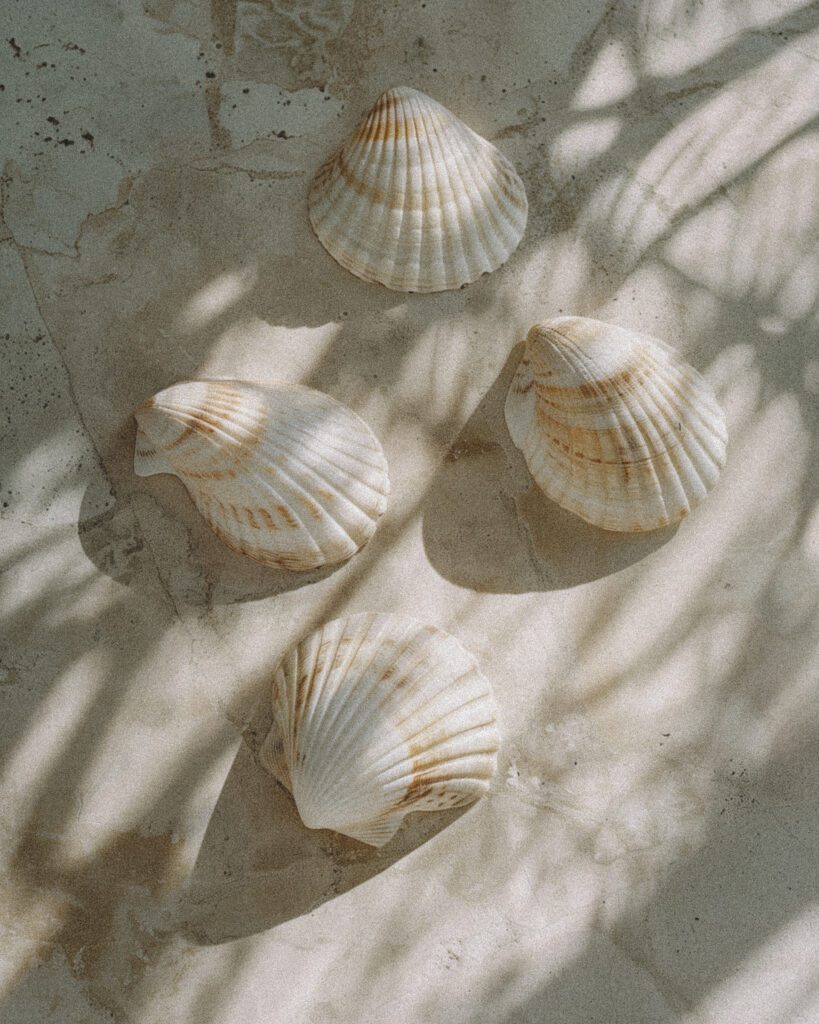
[487, 525]
[96, 650]
[135, 832]
[298, 319]
[757, 865]
[703, 941]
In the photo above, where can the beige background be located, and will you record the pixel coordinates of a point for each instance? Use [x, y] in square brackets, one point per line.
[649, 850]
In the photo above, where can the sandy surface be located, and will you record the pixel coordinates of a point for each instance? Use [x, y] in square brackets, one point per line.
[648, 853]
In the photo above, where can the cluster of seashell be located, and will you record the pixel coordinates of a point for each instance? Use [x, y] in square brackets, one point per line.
[375, 716]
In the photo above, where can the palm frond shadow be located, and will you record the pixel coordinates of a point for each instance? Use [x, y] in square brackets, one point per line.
[665, 956]
[258, 866]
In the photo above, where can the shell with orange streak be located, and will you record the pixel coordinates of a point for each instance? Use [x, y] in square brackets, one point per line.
[375, 716]
[282, 473]
[614, 425]
[416, 200]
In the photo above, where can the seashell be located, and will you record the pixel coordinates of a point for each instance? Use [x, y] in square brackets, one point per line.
[282, 473]
[415, 200]
[614, 425]
[375, 716]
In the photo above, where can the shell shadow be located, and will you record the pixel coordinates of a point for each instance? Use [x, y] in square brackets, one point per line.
[260, 866]
[153, 532]
[486, 526]
[154, 535]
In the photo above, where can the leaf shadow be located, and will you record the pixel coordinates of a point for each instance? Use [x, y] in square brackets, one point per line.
[198, 235]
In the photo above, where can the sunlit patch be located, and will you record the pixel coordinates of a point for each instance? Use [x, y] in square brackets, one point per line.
[624, 212]
[253, 349]
[677, 35]
[800, 290]
[774, 325]
[553, 279]
[724, 137]
[737, 378]
[48, 482]
[659, 293]
[610, 79]
[760, 241]
[580, 144]
[217, 296]
[60, 715]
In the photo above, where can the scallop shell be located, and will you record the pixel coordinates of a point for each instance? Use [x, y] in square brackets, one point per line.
[375, 716]
[614, 425]
[282, 473]
[415, 200]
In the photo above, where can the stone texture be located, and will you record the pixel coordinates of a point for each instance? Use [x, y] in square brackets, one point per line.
[648, 852]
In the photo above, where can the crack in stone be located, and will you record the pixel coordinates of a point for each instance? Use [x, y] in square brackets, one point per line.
[661, 984]
[220, 136]
[160, 578]
[253, 175]
[69, 382]
[21, 250]
[124, 188]
[223, 20]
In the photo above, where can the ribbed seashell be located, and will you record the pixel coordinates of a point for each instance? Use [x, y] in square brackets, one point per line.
[614, 425]
[415, 200]
[282, 473]
[375, 716]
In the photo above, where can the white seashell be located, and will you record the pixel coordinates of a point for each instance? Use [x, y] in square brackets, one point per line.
[614, 425]
[376, 716]
[283, 474]
[415, 200]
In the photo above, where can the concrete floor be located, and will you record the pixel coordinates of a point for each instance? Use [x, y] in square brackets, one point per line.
[649, 851]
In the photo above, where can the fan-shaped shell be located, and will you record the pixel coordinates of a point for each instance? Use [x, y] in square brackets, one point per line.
[283, 474]
[614, 425]
[415, 200]
[376, 716]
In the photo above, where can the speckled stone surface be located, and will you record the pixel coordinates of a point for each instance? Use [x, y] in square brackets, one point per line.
[648, 852]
